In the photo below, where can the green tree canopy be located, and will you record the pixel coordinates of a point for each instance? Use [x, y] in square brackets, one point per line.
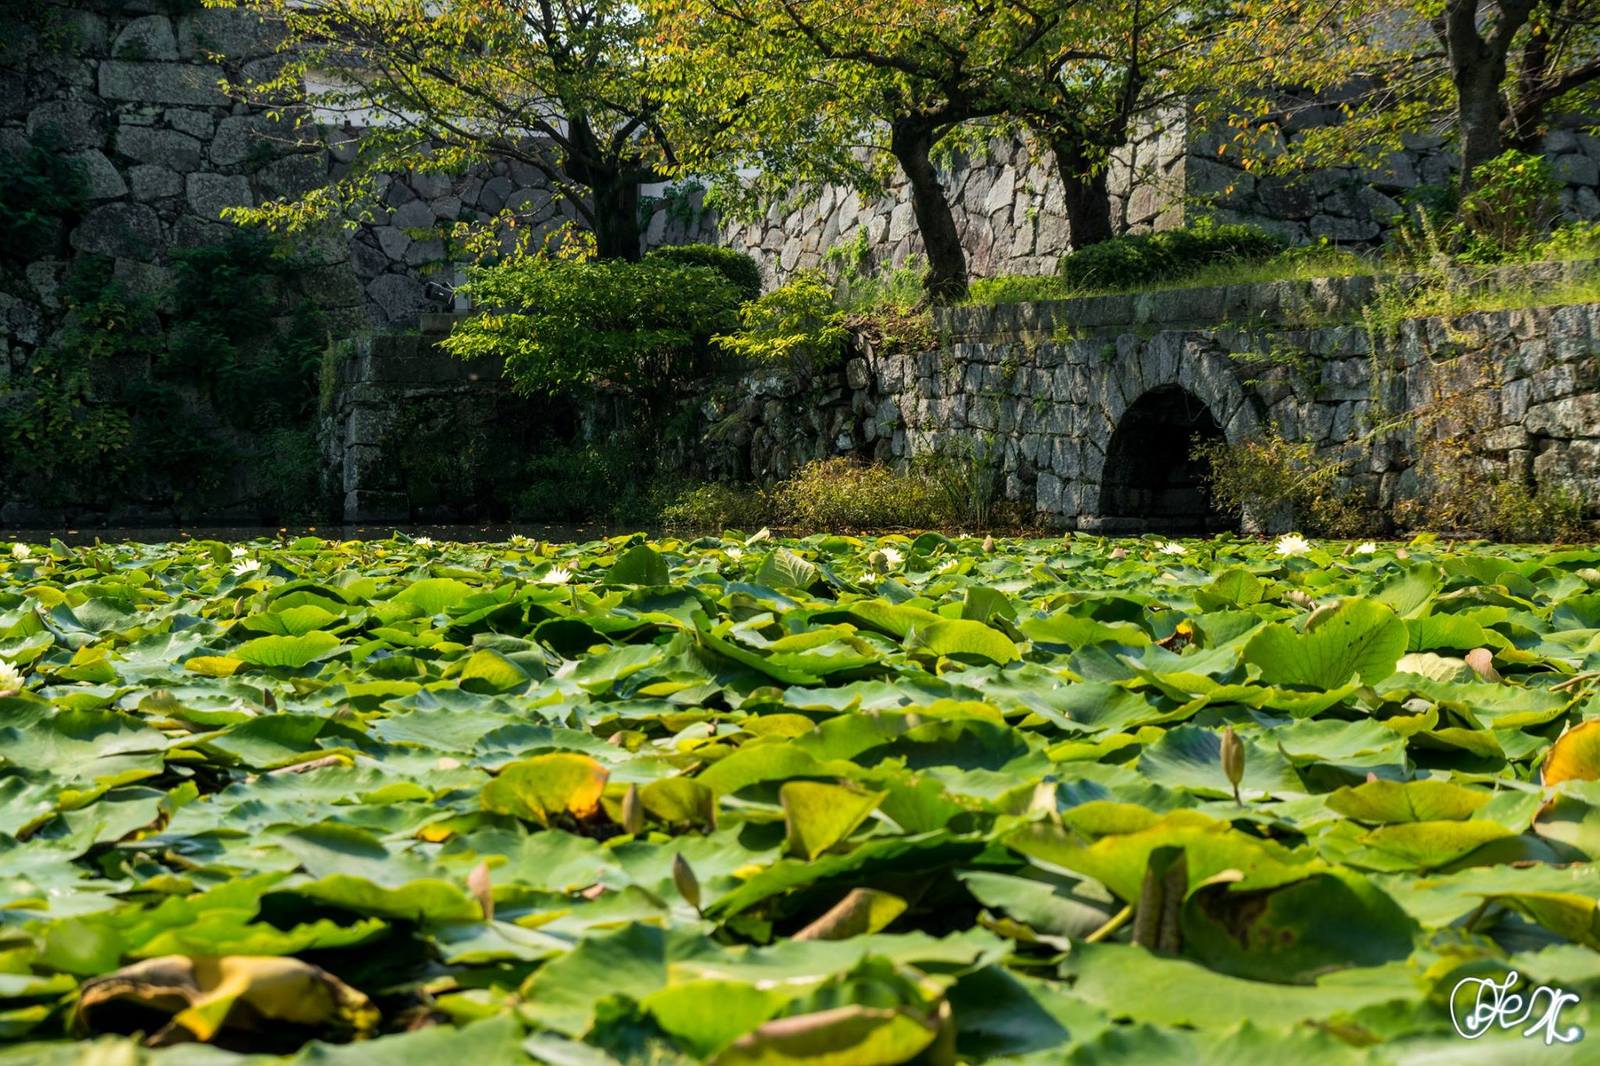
[804, 92]
[1488, 74]
[559, 85]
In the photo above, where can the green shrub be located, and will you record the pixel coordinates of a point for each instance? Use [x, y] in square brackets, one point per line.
[1574, 240]
[840, 493]
[967, 474]
[291, 473]
[795, 323]
[1424, 229]
[1279, 483]
[1512, 207]
[1166, 256]
[715, 507]
[1459, 493]
[736, 266]
[1517, 513]
[566, 326]
[40, 188]
[1015, 289]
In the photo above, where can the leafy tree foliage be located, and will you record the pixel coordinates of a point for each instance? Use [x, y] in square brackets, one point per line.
[1492, 74]
[1107, 66]
[571, 326]
[807, 92]
[558, 85]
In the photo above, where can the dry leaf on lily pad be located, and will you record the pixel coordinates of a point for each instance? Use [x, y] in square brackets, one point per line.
[863, 910]
[178, 999]
[540, 788]
[861, 1036]
[1575, 756]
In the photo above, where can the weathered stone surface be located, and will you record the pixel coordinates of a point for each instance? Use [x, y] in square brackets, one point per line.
[397, 296]
[1344, 230]
[240, 138]
[150, 182]
[78, 123]
[150, 37]
[194, 122]
[167, 148]
[161, 83]
[101, 179]
[233, 32]
[293, 175]
[1576, 169]
[210, 194]
[901, 223]
[192, 232]
[120, 230]
[414, 214]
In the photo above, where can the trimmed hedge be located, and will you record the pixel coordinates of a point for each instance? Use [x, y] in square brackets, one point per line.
[1167, 255]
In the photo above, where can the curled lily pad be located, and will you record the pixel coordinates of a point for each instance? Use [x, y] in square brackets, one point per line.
[202, 997]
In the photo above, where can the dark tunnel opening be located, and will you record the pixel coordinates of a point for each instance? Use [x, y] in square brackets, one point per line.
[1152, 481]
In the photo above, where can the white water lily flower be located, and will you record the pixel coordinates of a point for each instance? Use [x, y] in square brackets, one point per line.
[422, 542]
[735, 553]
[1366, 548]
[246, 566]
[891, 557]
[556, 575]
[10, 677]
[21, 552]
[239, 551]
[1172, 547]
[1292, 544]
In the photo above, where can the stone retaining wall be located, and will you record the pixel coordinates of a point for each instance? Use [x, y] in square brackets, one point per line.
[392, 387]
[1007, 203]
[1046, 388]
[1356, 206]
[1012, 220]
[1059, 395]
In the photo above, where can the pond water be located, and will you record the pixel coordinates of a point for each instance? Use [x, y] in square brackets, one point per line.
[376, 531]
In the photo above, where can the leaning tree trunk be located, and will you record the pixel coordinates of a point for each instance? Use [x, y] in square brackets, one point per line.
[911, 142]
[1085, 191]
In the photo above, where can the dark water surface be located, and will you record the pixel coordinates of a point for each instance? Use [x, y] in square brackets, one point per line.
[376, 531]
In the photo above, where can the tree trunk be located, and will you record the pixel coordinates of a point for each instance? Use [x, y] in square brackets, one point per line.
[1479, 110]
[1478, 69]
[613, 191]
[616, 216]
[911, 141]
[1088, 198]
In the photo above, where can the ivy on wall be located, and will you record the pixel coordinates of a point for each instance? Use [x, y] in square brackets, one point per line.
[41, 191]
[170, 396]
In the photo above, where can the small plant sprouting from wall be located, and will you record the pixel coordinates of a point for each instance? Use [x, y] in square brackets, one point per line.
[1301, 368]
[1464, 490]
[1274, 482]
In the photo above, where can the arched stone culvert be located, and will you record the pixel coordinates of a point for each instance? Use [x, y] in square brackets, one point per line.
[1152, 480]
